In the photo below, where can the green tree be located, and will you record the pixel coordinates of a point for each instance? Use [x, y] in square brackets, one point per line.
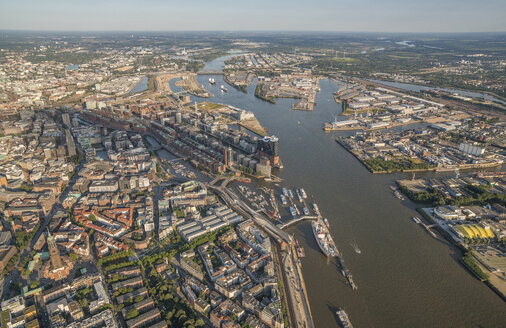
[132, 313]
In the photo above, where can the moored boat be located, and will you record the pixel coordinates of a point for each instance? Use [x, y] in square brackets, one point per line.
[343, 318]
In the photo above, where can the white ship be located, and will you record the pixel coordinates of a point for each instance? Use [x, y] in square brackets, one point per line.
[324, 239]
[303, 193]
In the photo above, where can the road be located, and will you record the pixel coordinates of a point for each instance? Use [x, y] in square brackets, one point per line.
[57, 205]
[297, 302]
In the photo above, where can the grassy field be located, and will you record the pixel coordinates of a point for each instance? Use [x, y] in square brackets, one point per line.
[209, 106]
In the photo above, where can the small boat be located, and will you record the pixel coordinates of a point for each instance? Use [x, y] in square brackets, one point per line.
[326, 222]
[296, 209]
[316, 209]
[298, 122]
[293, 212]
[305, 210]
[283, 199]
[290, 193]
[415, 219]
[223, 88]
[299, 195]
[355, 247]
[303, 193]
[300, 252]
[212, 81]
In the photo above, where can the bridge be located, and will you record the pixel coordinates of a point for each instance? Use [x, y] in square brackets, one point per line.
[179, 93]
[299, 219]
[210, 73]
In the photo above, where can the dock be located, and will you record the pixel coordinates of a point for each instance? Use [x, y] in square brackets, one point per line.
[428, 229]
[297, 220]
[346, 273]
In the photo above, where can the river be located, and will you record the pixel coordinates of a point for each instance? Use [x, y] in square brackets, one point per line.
[418, 88]
[141, 86]
[405, 277]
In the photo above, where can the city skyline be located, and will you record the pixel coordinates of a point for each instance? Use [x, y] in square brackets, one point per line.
[341, 16]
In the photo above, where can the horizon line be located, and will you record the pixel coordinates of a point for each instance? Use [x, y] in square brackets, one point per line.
[245, 31]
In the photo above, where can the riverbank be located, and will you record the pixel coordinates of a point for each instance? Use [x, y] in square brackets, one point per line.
[379, 226]
[259, 95]
[369, 167]
[254, 126]
[190, 84]
[478, 270]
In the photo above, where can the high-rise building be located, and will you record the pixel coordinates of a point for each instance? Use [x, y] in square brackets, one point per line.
[269, 147]
[230, 156]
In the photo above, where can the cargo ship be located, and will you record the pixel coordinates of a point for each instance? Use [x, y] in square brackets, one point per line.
[330, 126]
[324, 240]
[343, 319]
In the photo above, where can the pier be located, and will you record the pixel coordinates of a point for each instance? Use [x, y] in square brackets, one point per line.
[297, 220]
[428, 229]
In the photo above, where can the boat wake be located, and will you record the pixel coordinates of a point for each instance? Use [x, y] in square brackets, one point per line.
[355, 247]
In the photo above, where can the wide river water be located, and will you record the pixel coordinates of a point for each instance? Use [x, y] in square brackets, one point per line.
[405, 277]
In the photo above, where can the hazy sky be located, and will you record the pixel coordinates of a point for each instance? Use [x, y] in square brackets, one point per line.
[309, 15]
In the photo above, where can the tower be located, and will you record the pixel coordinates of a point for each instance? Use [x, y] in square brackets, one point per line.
[230, 156]
[54, 253]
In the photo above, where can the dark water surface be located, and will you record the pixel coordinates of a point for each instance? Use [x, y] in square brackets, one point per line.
[405, 277]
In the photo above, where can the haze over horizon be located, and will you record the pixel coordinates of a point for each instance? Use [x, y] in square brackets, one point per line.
[321, 15]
